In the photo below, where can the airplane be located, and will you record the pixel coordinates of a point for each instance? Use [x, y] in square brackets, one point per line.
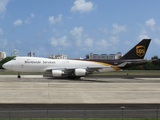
[76, 68]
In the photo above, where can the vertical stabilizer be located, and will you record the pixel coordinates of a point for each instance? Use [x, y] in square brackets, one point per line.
[138, 51]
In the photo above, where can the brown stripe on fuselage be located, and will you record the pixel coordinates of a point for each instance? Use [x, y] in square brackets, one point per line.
[104, 62]
[115, 67]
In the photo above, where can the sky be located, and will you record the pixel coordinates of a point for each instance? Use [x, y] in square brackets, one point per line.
[78, 27]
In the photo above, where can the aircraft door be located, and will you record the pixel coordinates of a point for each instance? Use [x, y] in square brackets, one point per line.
[22, 66]
[65, 62]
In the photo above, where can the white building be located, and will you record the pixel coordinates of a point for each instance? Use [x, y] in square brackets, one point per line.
[59, 56]
[104, 56]
[2, 55]
[31, 54]
[15, 52]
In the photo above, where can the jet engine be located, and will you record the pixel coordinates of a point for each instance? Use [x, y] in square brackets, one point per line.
[80, 72]
[57, 73]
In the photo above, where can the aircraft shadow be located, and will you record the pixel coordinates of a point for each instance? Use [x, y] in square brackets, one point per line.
[80, 80]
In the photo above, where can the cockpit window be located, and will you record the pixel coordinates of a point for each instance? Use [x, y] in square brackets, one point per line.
[14, 58]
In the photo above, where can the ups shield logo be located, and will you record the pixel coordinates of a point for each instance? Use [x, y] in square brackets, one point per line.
[140, 51]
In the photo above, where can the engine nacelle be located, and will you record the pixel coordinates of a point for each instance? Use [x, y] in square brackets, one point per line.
[80, 72]
[57, 73]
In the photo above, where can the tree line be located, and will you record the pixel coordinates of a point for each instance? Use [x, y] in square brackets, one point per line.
[154, 65]
[5, 60]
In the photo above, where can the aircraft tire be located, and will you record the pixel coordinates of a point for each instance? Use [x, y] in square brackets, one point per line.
[19, 76]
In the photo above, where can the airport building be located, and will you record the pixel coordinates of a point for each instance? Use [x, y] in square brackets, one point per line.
[31, 54]
[15, 52]
[59, 56]
[92, 56]
[2, 55]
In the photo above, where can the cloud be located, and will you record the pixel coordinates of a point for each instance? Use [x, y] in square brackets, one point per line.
[88, 42]
[18, 22]
[19, 42]
[3, 43]
[127, 43]
[28, 20]
[117, 28]
[104, 30]
[77, 33]
[114, 40]
[143, 35]
[103, 43]
[151, 23]
[157, 41]
[59, 42]
[40, 51]
[32, 15]
[3, 4]
[53, 20]
[1, 31]
[82, 6]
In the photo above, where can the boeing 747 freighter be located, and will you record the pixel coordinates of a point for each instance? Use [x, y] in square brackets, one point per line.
[76, 68]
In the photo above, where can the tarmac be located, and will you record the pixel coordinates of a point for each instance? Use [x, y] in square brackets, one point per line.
[36, 89]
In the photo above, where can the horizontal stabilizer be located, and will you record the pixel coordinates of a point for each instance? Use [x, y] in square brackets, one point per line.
[123, 64]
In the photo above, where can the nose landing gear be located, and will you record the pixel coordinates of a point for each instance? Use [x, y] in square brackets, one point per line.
[18, 76]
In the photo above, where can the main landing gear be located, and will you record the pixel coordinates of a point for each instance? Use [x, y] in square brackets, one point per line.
[74, 77]
[18, 76]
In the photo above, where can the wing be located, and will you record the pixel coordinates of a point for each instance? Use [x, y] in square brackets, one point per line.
[81, 71]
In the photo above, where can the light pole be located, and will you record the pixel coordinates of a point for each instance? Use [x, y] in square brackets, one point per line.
[157, 112]
[122, 107]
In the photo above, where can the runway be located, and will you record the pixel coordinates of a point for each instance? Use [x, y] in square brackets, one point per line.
[31, 89]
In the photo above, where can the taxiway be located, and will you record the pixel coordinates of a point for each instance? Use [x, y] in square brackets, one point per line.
[31, 89]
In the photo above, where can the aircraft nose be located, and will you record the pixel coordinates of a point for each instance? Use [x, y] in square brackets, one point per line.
[6, 66]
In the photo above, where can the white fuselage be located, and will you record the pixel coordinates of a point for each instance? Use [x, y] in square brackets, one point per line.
[36, 64]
